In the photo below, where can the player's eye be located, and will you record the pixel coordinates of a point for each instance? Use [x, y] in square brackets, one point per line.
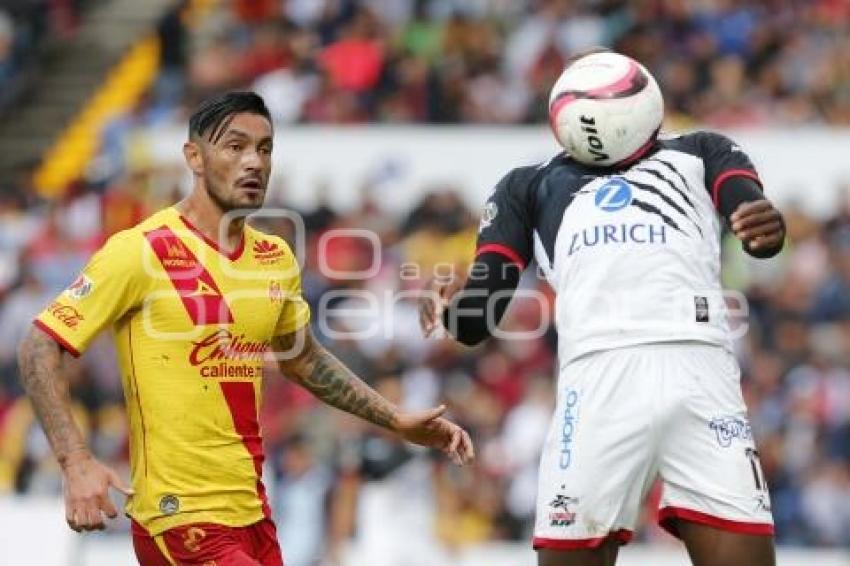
[266, 150]
[234, 147]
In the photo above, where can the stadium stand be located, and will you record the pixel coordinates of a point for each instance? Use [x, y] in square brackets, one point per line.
[721, 63]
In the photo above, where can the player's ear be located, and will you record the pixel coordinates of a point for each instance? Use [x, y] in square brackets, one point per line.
[192, 153]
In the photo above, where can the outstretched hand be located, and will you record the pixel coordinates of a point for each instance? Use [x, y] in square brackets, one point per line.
[428, 428]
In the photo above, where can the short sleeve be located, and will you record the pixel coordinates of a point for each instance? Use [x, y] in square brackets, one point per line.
[295, 312]
[506, 224]
[723, 159]
[112, 284]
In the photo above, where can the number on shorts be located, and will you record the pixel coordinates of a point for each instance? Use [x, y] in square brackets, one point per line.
[755, 465]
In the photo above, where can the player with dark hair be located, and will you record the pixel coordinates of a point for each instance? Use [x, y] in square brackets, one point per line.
[626, 225]
[197, 300]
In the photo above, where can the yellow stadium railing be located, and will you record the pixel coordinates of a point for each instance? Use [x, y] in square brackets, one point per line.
[69, 156]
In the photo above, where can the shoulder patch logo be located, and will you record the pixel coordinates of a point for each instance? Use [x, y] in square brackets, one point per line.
[491, 210]
[267, 252]
[80, 288]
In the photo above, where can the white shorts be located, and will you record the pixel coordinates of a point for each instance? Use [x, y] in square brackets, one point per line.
[627, 416]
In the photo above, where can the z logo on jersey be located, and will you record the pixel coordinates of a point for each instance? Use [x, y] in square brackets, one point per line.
[614, 195]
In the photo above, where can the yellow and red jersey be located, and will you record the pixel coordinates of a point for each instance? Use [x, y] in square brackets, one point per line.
[192, 326]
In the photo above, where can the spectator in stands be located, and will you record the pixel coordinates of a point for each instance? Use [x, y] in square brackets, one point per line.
[7, 43]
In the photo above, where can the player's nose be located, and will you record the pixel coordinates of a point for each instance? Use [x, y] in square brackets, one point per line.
[251, 165]
[251, 161]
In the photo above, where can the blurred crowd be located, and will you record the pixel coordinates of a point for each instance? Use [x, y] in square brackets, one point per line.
[24, 26]
[335, 480]
[494, 61]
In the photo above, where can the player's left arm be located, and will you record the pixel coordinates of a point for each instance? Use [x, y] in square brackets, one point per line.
[471, 307]
[737, 193]
[752, 218]
[306, 362]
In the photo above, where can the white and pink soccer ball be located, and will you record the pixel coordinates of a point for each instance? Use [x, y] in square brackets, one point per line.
[606, 109]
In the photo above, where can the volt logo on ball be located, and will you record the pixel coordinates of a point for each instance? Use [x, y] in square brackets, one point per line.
[595, 145]
[614, 195]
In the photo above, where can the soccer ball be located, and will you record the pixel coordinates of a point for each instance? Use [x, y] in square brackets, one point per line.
[606, 109]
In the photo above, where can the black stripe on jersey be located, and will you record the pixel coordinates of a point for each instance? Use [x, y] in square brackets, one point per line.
[674, 170]
[646, 207]
[660, 177]
[667, 200]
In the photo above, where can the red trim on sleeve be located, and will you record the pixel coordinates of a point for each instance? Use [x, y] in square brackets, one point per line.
[622, 536]
[55, 335]
[715, 189]
[667, 514]
[506, 251]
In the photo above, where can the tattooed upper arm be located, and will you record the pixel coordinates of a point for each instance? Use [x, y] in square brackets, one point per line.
[40, 363]
[38, 354]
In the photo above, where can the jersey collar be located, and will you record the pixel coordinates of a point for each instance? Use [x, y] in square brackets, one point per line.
[232, 256]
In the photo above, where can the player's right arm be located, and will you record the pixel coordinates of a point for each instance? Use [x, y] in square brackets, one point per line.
[108, 287]
[470, 308]
[87, 481]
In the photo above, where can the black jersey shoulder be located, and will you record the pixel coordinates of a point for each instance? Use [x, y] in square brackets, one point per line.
[532, 199]
[700, 143]
[555, 188]
[721, 157]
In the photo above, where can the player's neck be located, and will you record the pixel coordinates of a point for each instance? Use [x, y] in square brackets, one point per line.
[207, 217]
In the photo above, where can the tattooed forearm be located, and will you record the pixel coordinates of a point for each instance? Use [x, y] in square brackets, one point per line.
[40, 362]
[318, 371]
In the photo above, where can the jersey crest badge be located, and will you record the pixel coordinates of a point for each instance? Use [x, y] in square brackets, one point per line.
[169, 504]
[275, 292]
[80, 288]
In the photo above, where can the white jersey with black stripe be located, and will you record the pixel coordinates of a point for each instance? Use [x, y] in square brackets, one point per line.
[633, 254]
